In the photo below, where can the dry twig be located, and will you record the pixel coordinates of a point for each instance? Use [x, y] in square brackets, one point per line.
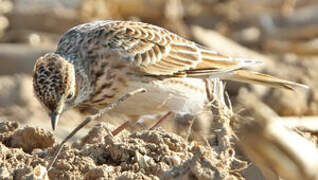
[274, 147]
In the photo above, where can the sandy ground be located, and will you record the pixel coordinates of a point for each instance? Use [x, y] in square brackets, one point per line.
[142, 155]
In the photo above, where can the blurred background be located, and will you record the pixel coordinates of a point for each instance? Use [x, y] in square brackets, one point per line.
[282, 33]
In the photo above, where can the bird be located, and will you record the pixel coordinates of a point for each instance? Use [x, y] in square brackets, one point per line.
[98, 62]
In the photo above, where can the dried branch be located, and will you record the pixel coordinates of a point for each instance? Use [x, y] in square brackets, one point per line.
[274, 147]
[308, 123]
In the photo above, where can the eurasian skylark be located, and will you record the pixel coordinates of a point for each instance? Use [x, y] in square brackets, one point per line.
[98, 62]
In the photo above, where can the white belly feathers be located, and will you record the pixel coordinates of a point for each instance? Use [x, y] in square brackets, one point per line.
[186, 95]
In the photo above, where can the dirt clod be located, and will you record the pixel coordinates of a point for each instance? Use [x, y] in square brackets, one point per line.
[147, 155]
[30, 138]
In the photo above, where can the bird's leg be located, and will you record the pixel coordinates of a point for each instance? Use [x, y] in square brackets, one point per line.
[163, 118]
[135, 119]
[123, 126]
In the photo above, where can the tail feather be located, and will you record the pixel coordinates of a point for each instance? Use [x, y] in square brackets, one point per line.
[215, 65]
[263, 79]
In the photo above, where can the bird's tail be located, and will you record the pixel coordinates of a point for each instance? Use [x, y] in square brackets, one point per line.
[262, 79]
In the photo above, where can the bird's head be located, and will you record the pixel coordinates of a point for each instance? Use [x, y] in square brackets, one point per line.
[54, 85]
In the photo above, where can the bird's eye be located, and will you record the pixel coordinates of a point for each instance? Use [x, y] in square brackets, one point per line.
[69, 96]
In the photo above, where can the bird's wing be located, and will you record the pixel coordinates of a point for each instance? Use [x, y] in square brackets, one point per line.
[156, 51]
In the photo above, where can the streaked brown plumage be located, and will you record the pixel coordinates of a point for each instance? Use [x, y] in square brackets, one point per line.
[97, 62]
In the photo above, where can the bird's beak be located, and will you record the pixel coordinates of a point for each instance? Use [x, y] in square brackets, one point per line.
[54, 119]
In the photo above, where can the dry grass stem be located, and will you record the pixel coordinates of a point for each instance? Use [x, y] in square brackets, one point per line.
[221, 121]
